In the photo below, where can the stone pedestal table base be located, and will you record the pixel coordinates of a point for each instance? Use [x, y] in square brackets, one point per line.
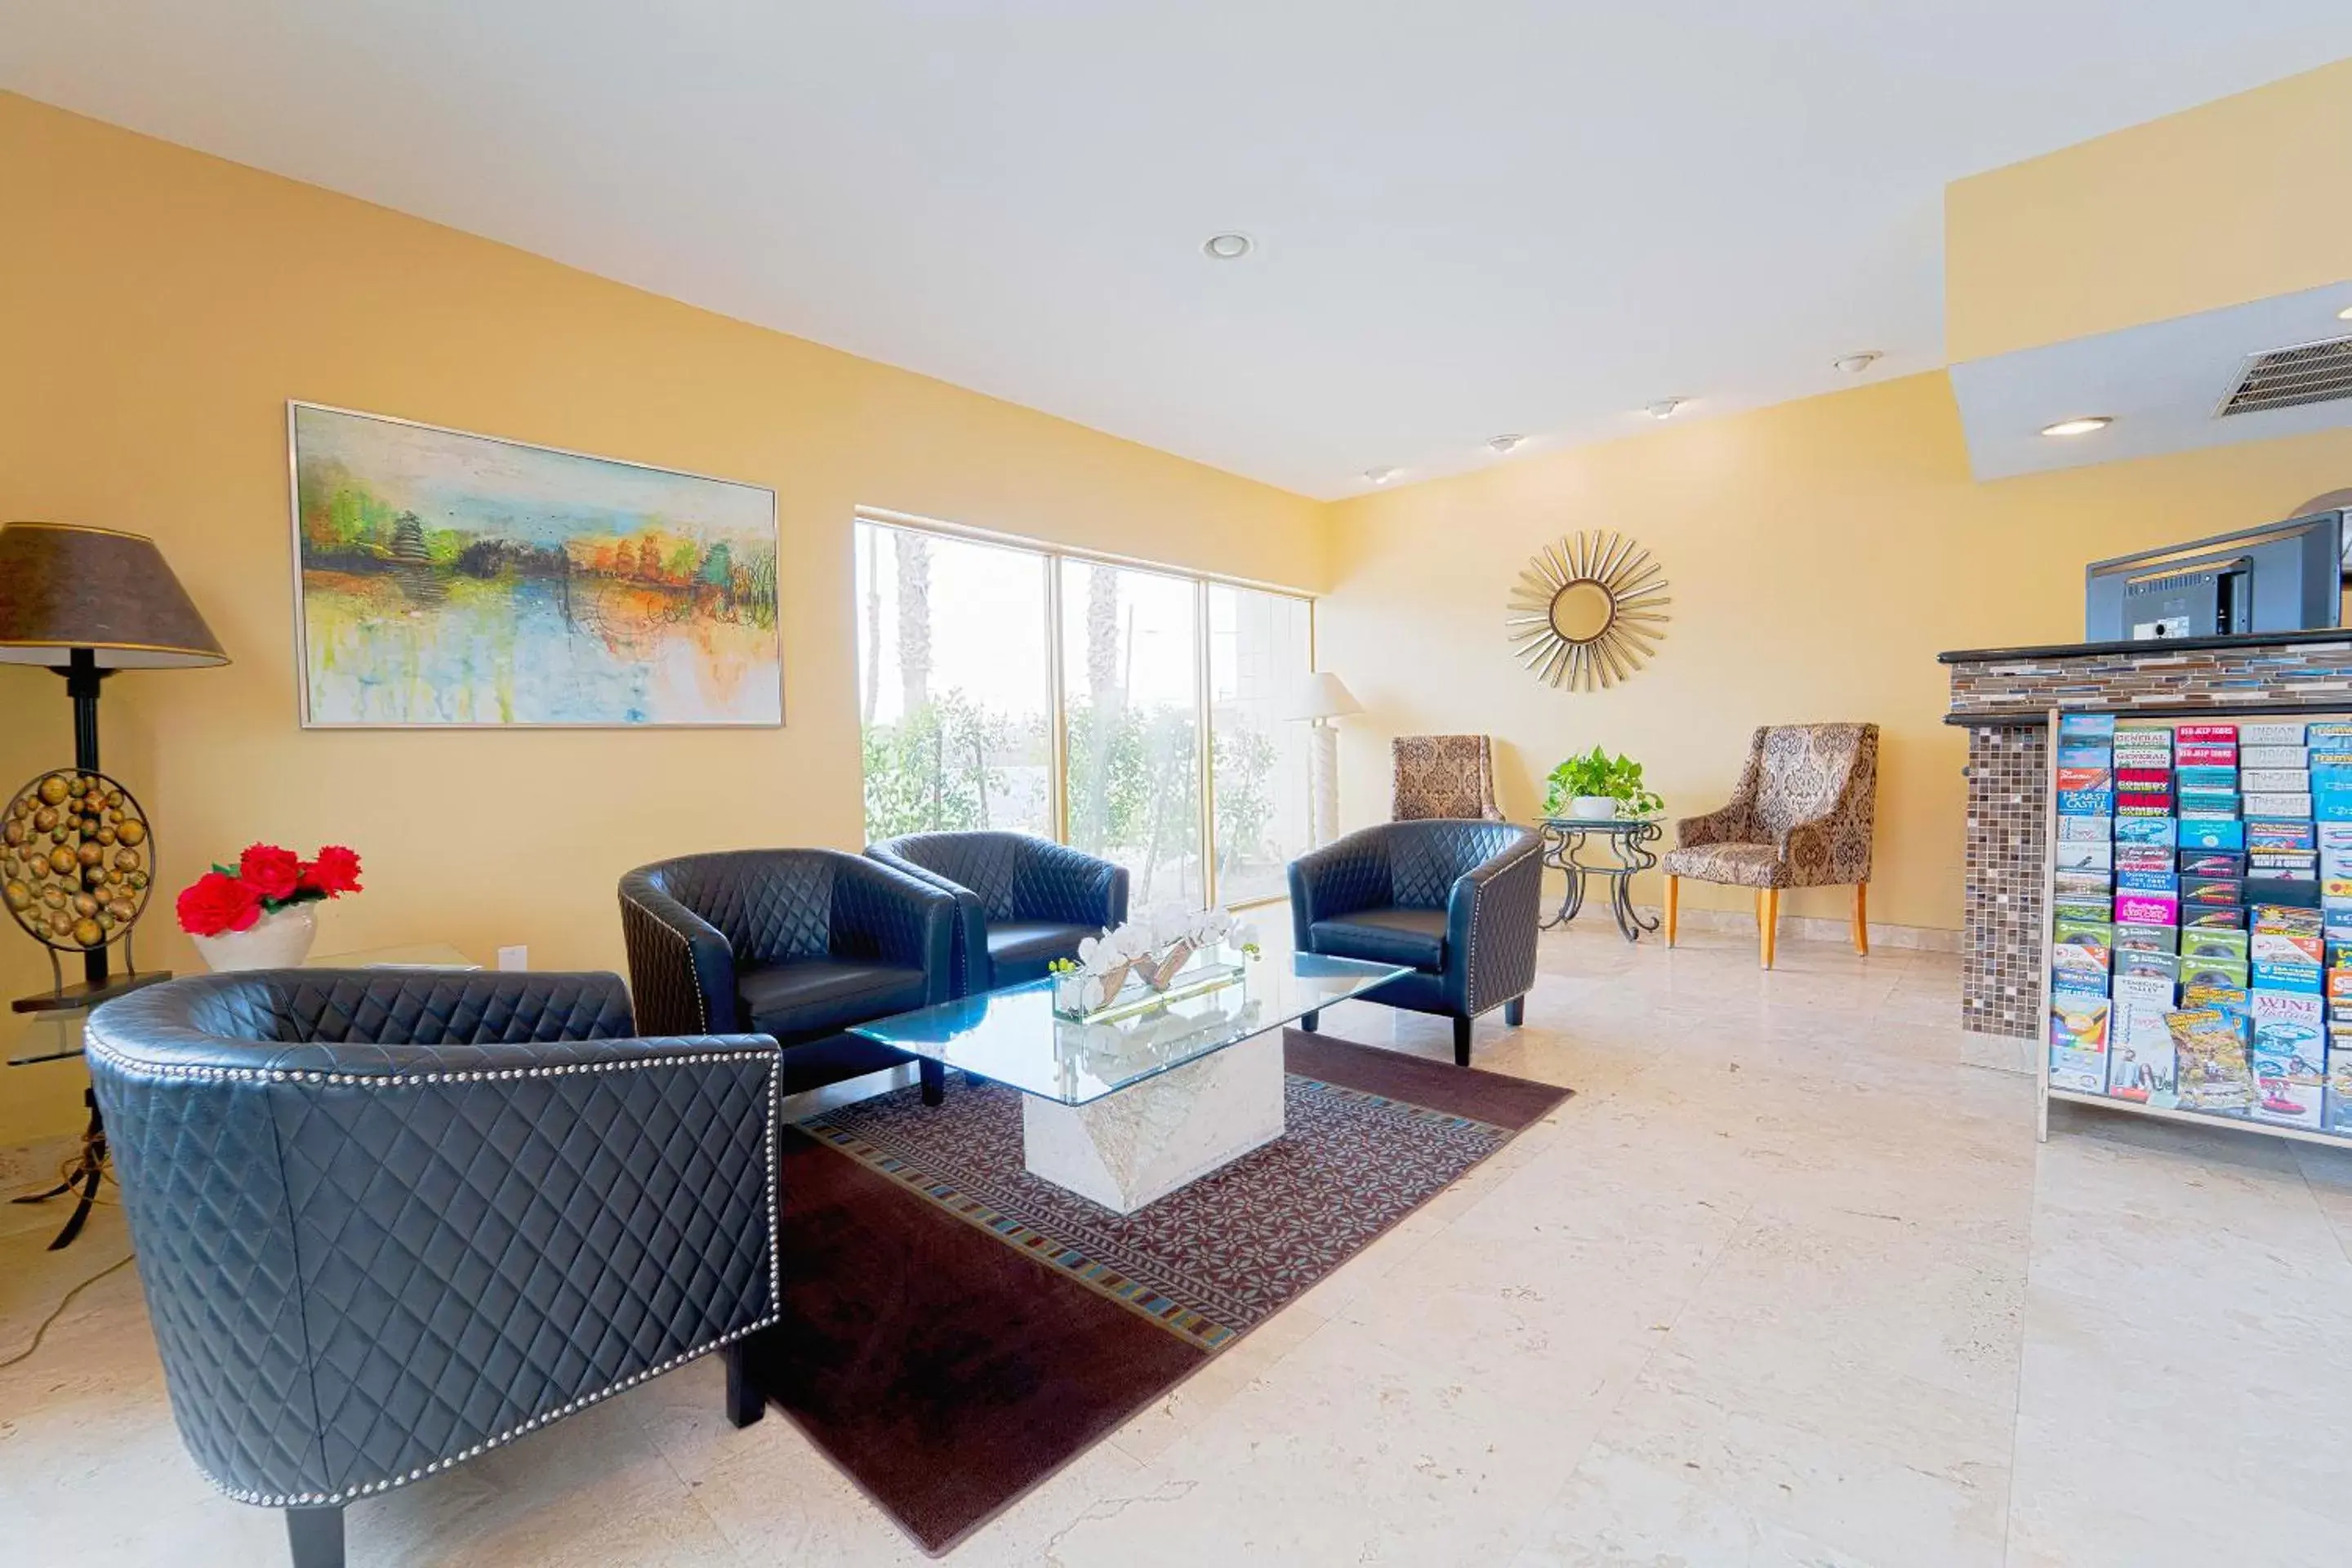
[1141, 1144]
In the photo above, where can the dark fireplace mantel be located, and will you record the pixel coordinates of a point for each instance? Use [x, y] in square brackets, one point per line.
[2182, 677]
[2142, 645]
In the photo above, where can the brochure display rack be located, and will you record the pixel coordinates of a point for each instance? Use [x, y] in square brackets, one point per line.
[2199, 891]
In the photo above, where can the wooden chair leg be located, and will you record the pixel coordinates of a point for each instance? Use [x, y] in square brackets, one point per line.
[1768, 922]
[1674, 907]
[1862, 919]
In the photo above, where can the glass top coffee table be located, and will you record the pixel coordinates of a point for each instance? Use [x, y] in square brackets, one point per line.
[1126, 1111]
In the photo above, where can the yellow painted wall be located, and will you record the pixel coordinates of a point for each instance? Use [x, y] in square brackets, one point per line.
[159, 307]
[1821, 552]
[2239, 199]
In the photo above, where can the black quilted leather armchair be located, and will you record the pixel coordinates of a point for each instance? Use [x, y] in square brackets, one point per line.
[387, 1219]
[1022, 902]
[796, 943]
[1458, 900]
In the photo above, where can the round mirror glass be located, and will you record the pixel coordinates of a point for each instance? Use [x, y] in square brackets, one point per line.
[1583, 610]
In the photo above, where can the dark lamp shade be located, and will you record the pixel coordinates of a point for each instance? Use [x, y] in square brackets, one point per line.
[64, 587]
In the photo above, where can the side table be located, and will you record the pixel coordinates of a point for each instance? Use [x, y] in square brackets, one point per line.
[1564, 838]
[417, 955]
[55, 1035]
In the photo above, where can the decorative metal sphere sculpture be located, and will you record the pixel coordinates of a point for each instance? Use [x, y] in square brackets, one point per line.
[1589, 611]
[77, 861]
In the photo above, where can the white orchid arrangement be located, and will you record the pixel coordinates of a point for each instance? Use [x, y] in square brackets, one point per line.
[1153, 946]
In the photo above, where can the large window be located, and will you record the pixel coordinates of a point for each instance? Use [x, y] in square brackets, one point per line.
[954, 688]
[1131, 709]
[1133, 713]
[1260, 645]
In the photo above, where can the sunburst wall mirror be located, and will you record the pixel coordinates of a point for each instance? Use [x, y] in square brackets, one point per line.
[1589, 611]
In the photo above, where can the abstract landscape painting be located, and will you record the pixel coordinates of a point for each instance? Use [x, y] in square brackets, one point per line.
[456, 579]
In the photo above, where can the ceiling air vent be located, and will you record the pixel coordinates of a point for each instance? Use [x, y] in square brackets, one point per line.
[2288, 378]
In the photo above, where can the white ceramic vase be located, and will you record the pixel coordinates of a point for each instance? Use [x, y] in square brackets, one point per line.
[278, 940]
[1594, 807]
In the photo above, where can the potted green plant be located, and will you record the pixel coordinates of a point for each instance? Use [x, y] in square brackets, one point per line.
[1596, 787]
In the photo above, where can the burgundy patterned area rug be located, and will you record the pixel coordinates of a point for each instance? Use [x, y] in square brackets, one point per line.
[955, 1330]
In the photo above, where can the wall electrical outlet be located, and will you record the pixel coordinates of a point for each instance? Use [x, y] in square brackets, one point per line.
[515, 957]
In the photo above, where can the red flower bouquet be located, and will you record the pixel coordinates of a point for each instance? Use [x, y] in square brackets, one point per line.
[264, 879]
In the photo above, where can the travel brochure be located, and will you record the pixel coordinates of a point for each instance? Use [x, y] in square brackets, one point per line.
[2200, 952]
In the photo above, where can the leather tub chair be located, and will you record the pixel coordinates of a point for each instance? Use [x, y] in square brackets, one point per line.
[1456, 900]
[1021, 901]
[387, 1219]
[796, 943]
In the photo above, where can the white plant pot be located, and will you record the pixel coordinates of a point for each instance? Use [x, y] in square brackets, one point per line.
[1594, 807]
[280, 940]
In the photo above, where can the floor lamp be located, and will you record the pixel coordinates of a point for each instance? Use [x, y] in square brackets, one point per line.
[86, 601]
[1322, 698]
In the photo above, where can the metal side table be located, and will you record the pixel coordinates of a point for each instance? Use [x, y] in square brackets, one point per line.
[1565, 839]
[50, 1035]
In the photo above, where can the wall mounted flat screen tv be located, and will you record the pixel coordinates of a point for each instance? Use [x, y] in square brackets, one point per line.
[2280, 577]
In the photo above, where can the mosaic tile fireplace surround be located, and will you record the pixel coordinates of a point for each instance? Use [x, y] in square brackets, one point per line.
[2004, 697]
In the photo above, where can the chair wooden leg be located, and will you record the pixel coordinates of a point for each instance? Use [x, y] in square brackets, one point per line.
[1310, 1022]
[1862, 919]
[1462, 1042]
[1674, 907]
[1768, 922]
[1515, 1011]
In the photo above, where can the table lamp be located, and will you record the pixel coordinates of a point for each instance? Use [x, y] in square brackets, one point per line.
[87, 602]
[1321, 697]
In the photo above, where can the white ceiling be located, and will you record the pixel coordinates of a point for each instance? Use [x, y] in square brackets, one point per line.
[2162, 383]
[1528, 216]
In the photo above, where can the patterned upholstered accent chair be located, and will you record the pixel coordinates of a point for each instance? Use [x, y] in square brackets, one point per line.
[1801, 818]
[387, 1219]
[1444, 776]
[1456, 901]
[796, 943]
[1021, 901]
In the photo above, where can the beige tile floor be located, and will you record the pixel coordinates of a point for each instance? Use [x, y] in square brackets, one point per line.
[1789, 1282]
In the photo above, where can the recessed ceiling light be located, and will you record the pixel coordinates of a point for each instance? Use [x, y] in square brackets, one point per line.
[1855, 365]
[2345, 314]
[1380, 476]
[1506, 444]
[2081, 427]
[1666, 407]
[1228, 246]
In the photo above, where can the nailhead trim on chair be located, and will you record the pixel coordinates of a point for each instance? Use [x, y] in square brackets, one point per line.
[99, 1046]
[701, 1003]
[334, 1500]
[385, 1081]
[1471, 958]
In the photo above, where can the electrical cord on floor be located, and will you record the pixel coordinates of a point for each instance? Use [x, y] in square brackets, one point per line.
[59, 1310]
